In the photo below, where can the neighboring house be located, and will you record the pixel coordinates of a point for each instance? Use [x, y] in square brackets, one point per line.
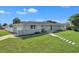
[25, 28]
[8, 28]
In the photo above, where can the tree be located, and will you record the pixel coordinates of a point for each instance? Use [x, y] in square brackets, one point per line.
[0, 26]
[51, 21]
[4, 24]
[10, 25]
[74, 19]
[16, 20]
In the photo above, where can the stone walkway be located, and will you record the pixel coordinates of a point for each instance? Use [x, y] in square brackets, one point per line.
[7, 36]
[66, 40]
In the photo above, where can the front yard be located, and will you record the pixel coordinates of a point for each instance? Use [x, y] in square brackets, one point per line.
[4, 32]
[41, 43]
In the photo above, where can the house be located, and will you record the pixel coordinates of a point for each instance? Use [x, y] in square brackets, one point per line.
[30, 27]
[8, 28]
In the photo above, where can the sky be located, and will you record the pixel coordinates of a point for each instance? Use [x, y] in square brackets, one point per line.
[37, 13]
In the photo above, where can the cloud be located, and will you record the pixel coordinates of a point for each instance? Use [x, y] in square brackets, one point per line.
[32, 10]
[22, 12]
[4, 12]
[24, 9]
[19, 12]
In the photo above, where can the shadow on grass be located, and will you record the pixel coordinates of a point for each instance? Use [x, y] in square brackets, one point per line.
[59, 31]
[32, 36]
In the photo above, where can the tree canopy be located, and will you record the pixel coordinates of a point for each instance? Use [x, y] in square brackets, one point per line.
[4, 24]
[10, 25]
[51, 21]
[74, 19]
[0, 26]
[16, 20]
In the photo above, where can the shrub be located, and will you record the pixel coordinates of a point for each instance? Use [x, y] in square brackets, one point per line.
[73, 28]
[36, 32]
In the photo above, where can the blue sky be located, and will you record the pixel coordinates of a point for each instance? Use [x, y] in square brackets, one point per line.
[37, 13]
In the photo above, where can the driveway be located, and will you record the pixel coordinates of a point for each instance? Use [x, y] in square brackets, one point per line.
[7, 36]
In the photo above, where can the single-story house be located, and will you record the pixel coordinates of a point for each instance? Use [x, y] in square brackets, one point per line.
[30, 27]
[8, 28]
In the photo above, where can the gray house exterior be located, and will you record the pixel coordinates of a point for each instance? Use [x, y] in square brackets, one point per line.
[25, 28]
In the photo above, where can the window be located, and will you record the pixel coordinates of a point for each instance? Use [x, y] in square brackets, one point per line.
[32, 26]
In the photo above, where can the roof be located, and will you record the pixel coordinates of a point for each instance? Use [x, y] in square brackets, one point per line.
[37, 23]
[33, 22]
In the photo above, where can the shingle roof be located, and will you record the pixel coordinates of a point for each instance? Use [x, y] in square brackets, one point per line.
[32, 22]
[37, 23]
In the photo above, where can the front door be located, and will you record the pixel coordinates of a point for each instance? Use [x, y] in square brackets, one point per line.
[42, 30]
[51, 27]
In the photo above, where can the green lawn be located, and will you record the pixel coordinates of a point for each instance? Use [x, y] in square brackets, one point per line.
[41, 43]
[3, 32]
[70, 35]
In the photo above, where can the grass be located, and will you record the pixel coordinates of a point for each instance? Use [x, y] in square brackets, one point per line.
[3, 32]
[70, 35]
[42, 43]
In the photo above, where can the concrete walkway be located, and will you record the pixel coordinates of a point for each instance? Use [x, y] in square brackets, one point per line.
[7, 36]
[66, 40]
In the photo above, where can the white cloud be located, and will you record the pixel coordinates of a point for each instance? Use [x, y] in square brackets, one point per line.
[32, 10]
[19, 12]
[4, 12]
[24, 9]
